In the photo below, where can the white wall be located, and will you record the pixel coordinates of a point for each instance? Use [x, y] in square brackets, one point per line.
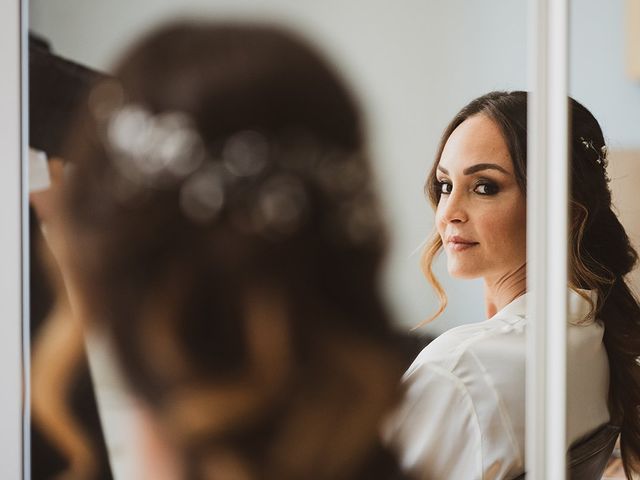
[414, 64]
[597, 70]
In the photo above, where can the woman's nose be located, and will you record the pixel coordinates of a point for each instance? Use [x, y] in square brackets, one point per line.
[454, 209]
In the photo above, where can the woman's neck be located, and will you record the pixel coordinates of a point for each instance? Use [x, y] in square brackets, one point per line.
[504, 289]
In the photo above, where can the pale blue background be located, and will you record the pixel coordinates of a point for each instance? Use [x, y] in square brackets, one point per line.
[413, 63]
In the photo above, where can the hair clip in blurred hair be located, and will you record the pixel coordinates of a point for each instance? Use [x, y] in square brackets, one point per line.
[265, 185]
[153, 148]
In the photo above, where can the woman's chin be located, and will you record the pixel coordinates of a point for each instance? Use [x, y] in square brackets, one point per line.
[462, 272]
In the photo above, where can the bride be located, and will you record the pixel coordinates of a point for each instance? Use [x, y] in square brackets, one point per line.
[463, 416]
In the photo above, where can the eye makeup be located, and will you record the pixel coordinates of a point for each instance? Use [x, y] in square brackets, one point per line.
[486, 187]
[482, 186]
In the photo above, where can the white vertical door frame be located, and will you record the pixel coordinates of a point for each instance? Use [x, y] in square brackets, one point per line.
[547, 220]
[11, 280]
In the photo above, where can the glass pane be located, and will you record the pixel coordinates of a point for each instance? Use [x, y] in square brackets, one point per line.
[412, 68]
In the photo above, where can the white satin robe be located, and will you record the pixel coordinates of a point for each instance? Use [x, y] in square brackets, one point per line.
[463, 414]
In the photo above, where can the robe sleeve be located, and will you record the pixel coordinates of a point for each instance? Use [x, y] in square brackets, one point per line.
[435, 431]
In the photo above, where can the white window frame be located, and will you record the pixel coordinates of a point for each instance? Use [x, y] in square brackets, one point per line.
[12, 214]
[547, 226]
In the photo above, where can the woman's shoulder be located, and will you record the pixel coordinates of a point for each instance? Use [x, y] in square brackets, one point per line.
[470, 347]
[461, 395]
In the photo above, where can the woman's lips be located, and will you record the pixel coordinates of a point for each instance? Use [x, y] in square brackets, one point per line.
[459, 244]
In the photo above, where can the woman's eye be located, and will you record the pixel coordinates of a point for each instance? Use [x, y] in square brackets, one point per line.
[486, 189]
[444, 188]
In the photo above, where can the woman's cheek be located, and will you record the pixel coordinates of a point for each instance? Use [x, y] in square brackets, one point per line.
[439, 221]
[491, 222]
[505, 230]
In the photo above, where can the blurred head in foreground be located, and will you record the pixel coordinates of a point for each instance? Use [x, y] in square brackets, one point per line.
[219, 224]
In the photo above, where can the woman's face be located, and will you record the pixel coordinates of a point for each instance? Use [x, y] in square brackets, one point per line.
[481, 215]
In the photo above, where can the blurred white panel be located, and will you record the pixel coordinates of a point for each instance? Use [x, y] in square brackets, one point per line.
[547, 226]
[119, 414]
[10, 244]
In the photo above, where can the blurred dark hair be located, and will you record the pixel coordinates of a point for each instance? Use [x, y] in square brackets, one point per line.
[56, 88]
[600, 253]
[267, 345]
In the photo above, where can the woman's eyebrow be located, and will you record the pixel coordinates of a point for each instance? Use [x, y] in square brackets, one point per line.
[484, 166]
[478, 168]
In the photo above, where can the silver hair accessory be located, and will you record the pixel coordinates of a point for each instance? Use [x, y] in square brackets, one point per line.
[263, 186]
[153, 148]
[601, 153]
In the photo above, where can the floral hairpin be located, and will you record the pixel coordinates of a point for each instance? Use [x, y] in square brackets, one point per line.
[601, 153]
[158, 150]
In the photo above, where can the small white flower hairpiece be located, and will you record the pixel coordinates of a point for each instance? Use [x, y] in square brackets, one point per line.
[600, 153]
[165, 149]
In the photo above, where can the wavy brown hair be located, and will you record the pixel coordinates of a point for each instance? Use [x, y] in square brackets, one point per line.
[268, 353]
[600, 253]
